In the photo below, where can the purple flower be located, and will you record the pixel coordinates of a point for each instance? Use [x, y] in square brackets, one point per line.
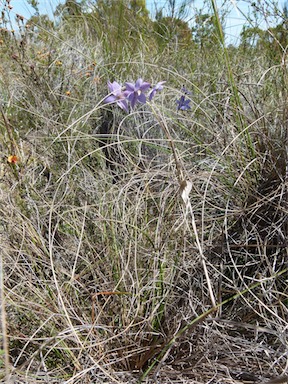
[185, 90]
[156, 88]
[183, 104]
[135, 92]
[117, 95]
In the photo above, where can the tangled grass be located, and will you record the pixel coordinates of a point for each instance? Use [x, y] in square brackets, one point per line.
[144, 247]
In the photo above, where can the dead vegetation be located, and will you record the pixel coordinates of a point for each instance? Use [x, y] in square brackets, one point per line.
[109, 274]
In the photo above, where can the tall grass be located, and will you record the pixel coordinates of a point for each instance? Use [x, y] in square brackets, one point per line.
[149, 246]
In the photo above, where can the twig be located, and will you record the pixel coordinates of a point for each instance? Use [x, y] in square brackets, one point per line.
[185, 189]
[4, 323]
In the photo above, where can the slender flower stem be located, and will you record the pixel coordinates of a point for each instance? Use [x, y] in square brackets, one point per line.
[181, 179]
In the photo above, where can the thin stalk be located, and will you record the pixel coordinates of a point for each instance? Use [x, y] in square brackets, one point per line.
[233, 86]
[182, 184]
[5, 341]
[13, 145]
[179, 168]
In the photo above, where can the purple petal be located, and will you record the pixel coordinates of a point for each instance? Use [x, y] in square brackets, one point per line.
[180, 102]
[110, 99]
[130, 87]
[133, 98]
[138, 84]
[123, 104]
[185, 106]
[114, 87]
[159, 86]
[156, 88]
[185, 90]
[126, 93]
[142, 98]
[152, 94]
[145, 86]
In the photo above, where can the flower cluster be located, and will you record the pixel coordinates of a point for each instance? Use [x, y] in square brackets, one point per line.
[183, 103]
[13, 159]
[131, 93]
[137, 93]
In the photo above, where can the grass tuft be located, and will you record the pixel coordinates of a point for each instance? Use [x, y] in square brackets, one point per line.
[150, 245]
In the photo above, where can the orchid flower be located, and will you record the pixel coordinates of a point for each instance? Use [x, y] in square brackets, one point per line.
[117, 95]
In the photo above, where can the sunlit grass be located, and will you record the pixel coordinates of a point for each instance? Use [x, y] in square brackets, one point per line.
[148, 245]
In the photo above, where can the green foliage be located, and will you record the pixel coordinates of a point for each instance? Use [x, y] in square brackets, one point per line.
[34, 4]
[119, 24]
[138, 7]
[205, 31]
[173, 30]
[273, 40]
[250, 36]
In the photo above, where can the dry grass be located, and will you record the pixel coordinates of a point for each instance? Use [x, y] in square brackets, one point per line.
[109, 275]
